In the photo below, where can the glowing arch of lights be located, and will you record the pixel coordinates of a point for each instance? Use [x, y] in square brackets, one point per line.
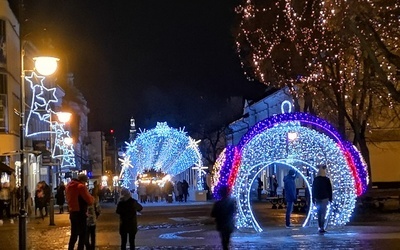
[164, 149]
[315, 142]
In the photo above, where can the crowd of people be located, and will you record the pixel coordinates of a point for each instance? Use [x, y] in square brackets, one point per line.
[84, 205]
[152, 192]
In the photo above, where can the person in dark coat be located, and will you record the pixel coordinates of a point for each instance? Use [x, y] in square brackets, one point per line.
[290, 194]
[260, 188]
[127, 208]
[185, 190]
[60, 197]
[224, 213]
[321, 195]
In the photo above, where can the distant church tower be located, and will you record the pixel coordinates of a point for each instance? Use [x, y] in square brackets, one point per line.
[132, 130]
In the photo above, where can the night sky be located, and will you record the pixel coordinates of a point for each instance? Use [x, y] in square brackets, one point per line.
[160, 60]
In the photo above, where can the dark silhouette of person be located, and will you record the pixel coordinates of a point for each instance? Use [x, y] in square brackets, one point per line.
[322, 196]
[60, 197]
[290, 194]
[259, 188]
[127, 208]
[185, 190]
[224, 213]
[274, 185]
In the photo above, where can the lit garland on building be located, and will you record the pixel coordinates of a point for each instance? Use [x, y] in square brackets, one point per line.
[287, 139]
[42, 97]
[164, 149]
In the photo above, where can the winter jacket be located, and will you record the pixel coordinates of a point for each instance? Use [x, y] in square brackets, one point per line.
[290, 188]
[93, 213]
[127, 208]
[322, 188]
[224, 213]
[78, 196]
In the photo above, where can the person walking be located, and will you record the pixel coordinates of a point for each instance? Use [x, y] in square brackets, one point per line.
[60, 197]
[224, 213]
[127, 208]
[321, 196]
[290, 195]
[185, 190]
[78, 198]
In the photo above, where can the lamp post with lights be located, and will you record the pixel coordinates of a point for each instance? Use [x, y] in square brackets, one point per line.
[62, 117]
[44, 66]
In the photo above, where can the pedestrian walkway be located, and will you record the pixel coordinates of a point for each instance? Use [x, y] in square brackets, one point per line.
[196, 236]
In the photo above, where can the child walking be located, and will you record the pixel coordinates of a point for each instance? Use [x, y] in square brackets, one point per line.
[127, 208]
[93, 213]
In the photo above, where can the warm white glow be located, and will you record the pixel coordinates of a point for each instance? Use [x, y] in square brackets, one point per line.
[68, 140]
[46, 65]
[292, 136]
[64, 116]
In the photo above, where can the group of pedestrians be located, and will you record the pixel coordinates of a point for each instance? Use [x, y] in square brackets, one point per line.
[84, 209]
[321, 196]
[152, 192]
[224, 209]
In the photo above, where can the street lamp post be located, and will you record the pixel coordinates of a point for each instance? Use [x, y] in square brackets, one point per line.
[38, 65]
[62, 117]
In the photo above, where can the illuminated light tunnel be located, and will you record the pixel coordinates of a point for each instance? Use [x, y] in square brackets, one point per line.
[300, 141]
[164, 149]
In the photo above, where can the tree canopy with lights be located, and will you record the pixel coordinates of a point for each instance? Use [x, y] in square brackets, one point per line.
[341, 57]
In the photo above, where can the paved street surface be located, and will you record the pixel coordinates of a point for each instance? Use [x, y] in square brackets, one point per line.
[187, 226]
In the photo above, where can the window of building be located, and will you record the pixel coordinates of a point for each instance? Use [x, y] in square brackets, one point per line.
[3, 104]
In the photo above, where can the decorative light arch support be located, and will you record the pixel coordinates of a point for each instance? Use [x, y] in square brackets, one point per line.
[316, 142]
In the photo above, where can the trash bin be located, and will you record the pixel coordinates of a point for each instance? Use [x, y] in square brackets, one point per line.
[201, 195]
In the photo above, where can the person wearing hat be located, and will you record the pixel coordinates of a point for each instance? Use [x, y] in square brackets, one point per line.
[321, 196]
[290, 195]
[127, 208]
[78, 198]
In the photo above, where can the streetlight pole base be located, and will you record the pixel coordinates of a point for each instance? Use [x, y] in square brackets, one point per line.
[22, 229]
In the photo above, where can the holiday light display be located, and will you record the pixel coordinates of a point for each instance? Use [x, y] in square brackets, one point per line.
[299, 141]
[41, 100]
[164, 149]
[340, 56]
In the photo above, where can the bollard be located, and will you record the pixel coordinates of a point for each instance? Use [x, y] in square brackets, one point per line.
[51, 208]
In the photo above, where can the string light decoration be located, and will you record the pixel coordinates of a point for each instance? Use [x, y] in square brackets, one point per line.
[300, 141]
[128, 173]
[40, 109]
[342, 53]
[164, 149]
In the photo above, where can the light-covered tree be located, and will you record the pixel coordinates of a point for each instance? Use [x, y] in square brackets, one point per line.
[340, 57]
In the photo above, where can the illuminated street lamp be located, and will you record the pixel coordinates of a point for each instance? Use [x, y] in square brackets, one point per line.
[39, 65]
[46, 65]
